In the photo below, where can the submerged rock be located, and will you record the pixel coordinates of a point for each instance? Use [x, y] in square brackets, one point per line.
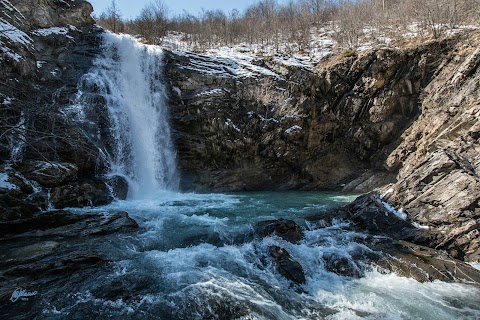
[286, 266]
[288, 230]
[67, 224]
[342, 265]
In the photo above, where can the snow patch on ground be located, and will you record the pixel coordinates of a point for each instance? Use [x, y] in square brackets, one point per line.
[212, 92]
[177, 91]
[5, 184]
[246, 59]
[293, 129]
[419, 226]
[399, 213]
[49, 31]
[11, 54]
[13, 34]
[229, 123]
[238, 66]
[40, 64]
[7, 101]
[475, 265]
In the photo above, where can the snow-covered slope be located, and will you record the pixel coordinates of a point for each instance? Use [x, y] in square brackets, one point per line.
[242, 57]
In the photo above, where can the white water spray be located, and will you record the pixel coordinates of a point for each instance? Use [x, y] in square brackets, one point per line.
[130, 78]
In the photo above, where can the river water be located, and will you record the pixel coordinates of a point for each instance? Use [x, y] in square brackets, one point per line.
[196, 258]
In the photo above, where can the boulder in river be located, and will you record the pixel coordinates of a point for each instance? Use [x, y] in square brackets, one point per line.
[288, 230]
[286, 266]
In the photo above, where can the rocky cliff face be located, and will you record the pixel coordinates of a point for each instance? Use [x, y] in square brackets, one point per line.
[439, 156]
[270, 125]
[46, 47]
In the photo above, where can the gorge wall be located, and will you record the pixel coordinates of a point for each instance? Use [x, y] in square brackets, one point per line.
[274, 126]
[46, 159]
[437, 189]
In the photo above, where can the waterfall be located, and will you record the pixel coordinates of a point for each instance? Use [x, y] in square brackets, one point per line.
[129, 77]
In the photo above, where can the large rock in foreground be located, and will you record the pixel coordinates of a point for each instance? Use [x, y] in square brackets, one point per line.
[39, 253]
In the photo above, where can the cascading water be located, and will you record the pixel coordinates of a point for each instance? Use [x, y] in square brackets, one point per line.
[129, 77]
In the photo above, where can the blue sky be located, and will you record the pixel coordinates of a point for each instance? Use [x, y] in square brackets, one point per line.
[131, 8]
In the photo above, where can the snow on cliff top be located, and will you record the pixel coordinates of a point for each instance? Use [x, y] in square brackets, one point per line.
[240, 59]
[220, 64]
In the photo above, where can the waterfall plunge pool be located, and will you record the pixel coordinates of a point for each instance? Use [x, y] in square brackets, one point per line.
[194, 258]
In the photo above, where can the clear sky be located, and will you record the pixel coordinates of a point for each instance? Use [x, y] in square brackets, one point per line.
[131, 8]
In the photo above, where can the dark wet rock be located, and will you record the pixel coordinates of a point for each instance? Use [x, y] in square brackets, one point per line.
[17, 180]
[342, 265]
[328, 127]
[93, 192]
[119, 187]
[286, 229]
[31, 252]
[326, 219]
[67, 224]
[55, 151]
[49, 174]
[286, 266]
[38, 254]
[423, 263]
[370, 213]
[14, 206]
[63, 266]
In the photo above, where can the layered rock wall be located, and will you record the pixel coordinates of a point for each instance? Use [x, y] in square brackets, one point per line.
[270, 125]
[46, 46]
[439, 156]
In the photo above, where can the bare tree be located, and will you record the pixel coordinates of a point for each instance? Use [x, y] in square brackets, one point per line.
[152, 22]
[111, 18]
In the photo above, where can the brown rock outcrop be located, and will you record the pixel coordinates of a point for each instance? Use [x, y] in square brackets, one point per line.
[439, 156]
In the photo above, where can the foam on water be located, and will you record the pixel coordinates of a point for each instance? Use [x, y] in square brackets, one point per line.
[202, 261]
